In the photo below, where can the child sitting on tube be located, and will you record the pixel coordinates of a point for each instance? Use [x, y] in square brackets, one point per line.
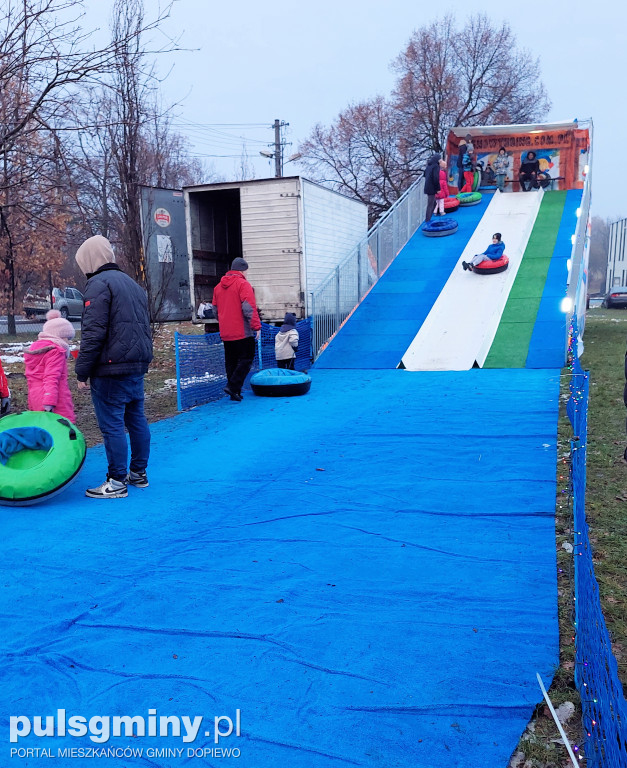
[492, 253]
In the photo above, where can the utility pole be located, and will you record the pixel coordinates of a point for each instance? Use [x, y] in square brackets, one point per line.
[278, 148]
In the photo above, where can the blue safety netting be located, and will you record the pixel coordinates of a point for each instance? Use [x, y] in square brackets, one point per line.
[200, 373]
[596, 671]
[366, 572]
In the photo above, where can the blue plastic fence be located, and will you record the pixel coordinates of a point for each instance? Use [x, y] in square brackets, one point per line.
[200, 374]
[596, 672]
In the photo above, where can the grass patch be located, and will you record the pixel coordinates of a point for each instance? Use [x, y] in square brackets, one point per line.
[160, 382]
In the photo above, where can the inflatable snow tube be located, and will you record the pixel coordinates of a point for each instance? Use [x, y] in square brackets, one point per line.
[451, 204]
[40, 453]
[476, 181]
[280, 382]
[492, 267]
[469, 198]
[439, 227]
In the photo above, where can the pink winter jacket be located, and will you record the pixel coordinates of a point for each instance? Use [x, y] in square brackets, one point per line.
[46, 372]
[443, 186]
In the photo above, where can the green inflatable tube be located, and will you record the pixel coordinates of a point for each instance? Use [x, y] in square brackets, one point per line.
[40, 453]
[476, 181]
[469, 198]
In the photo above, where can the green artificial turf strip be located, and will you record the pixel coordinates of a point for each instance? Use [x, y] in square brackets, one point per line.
[513, 336]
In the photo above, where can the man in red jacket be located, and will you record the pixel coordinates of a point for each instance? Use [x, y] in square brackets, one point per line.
[236, 310]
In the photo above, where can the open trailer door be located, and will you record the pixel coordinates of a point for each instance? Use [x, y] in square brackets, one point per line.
[165, 251]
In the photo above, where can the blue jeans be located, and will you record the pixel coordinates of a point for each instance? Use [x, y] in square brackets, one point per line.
[118, 403]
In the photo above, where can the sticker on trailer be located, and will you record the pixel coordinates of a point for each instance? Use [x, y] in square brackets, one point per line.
[162, 217]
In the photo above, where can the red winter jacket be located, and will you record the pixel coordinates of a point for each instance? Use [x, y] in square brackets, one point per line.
[4, 384]
[235, 307]
[443, 186]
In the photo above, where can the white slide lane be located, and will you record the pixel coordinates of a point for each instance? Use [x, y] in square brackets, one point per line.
[461, 325]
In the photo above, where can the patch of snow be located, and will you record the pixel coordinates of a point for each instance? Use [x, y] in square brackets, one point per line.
[8, 359]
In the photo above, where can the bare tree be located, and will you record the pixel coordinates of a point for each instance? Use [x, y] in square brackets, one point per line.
[364, 154]
[475, 75]
[447, 76]
[45, 57]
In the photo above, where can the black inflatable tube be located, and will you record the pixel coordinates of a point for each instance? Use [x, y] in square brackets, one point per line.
[440, 233]
[490, 270]
[281, 390]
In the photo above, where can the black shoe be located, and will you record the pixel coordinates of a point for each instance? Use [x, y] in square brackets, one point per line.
[233, 395]
[138, 479]
[236, 398]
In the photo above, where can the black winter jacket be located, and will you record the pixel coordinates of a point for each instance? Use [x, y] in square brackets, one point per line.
[432, 175]
[115, 329]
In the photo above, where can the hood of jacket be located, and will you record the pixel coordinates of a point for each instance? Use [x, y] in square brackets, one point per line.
[94, 253]
[231, 278]
[433, 160]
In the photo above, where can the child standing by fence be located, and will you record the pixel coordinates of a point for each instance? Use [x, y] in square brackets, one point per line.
[45, 363]
[286, 342]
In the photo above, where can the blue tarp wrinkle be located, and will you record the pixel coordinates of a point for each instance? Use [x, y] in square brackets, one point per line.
[368, 574]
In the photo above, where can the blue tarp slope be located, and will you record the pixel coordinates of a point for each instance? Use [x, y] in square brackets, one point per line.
[378, 333]
[367, 573]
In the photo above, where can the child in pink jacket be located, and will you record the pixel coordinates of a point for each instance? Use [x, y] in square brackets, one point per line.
[439, 197]
[46, 367]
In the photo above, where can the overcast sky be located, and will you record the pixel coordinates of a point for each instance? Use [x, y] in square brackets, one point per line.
[304, 62]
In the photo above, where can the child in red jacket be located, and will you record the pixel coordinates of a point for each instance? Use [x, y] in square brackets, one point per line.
[5, 394]
[45, 364]
[443, 193]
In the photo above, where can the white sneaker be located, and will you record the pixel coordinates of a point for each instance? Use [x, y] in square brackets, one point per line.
[110, 489]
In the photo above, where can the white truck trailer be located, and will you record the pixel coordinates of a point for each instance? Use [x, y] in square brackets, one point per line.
[291, 231]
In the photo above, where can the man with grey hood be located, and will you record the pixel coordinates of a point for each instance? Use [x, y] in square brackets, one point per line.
[115, 352]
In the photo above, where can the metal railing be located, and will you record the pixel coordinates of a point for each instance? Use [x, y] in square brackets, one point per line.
[341, 292]
[578, 277]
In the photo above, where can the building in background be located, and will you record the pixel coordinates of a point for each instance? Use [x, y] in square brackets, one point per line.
[616, 259]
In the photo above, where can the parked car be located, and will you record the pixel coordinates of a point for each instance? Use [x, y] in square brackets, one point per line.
[616, 298]
[35, 303]
[68, 301]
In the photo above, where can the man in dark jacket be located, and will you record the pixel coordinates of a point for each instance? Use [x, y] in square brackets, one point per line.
[432, 184]
[528, 174]
[235, 307]
[115, 352]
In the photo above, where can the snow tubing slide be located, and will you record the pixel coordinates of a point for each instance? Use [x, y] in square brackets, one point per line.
[491, 267]
[451, 204]
[280, 382]
[40, 453]
[469, 198]
[439, 227]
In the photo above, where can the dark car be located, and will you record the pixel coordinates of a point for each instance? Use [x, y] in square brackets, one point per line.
[616, 298]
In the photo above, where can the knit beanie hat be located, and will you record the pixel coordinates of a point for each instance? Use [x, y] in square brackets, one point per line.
[239, 264]
[58, 326]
